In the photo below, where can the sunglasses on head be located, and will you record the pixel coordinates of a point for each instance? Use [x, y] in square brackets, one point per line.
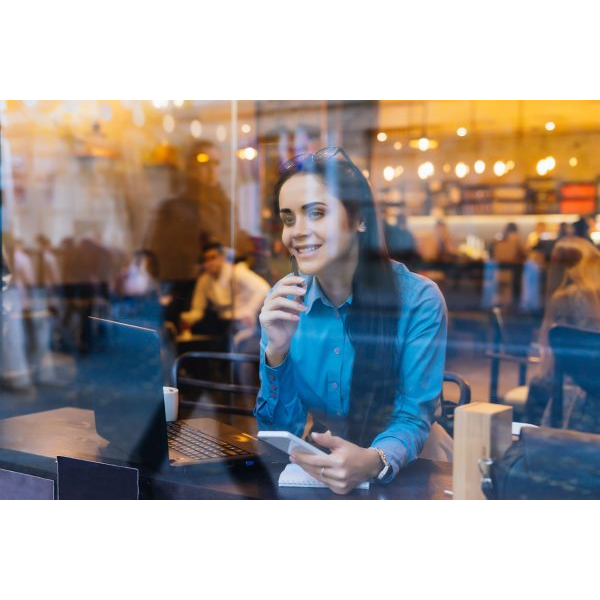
[298, 162]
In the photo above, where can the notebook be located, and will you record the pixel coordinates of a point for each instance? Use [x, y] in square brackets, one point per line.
[295, 476]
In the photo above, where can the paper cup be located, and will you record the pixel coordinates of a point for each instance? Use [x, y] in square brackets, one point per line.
[171, 396]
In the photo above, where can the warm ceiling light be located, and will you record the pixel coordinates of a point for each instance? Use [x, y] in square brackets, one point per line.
[446, 168]
[461, 170]
[366, 173]
[196, 128]
[550, 126]
[479, 167]
[510, 165]
[246, 128]
[550, 162]
[250, 153]
[178, 103]
[541, 167]
[397, 145]
[499, 168]
[382, 136]
[461, 131]
[423, 144]
[425, 170]
[160, 103]
[168, 123]
[573, 161]
[202, 157]
[388, 173]
[398, 171]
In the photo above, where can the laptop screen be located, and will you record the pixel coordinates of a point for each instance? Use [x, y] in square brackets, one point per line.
[128, 396]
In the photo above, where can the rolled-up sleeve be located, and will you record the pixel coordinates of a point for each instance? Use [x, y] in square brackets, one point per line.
[278, 406]
[422, 343]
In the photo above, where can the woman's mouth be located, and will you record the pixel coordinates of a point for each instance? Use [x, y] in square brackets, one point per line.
[306, 251]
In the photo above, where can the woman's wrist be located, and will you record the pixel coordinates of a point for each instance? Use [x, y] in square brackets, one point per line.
[375, 463]
[275, 356]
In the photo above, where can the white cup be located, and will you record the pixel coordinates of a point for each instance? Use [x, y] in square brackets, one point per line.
[171, 396]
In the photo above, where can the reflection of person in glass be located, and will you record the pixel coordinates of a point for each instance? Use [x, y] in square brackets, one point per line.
[359, 341]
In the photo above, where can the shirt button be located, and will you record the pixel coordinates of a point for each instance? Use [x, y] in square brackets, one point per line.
[334, 386]
[337, 350]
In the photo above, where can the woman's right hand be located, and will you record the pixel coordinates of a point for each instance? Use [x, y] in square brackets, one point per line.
[279, 317]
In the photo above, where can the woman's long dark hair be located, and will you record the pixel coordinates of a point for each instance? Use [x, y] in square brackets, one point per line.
[373, 315]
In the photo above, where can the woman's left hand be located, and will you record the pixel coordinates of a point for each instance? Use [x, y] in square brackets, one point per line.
[347, 466]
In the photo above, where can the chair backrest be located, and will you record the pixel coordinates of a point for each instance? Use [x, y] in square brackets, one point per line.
[512, 333]
[448, 407]
[234, 360]
[576, 354]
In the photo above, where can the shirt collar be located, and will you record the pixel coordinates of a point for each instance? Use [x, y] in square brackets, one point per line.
[315, 292]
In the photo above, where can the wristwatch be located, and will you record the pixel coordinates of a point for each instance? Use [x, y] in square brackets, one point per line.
[387, 468]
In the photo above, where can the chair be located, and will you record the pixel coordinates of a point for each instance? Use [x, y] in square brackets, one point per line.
[576, 354]
[511, 342]
[227, 386]
[446, 420]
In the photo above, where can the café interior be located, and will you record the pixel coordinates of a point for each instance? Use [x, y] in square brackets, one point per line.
[496, 202]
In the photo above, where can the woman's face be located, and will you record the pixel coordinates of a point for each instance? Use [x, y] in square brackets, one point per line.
[316, 226]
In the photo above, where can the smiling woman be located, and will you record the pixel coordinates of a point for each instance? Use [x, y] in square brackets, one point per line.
[364, 350]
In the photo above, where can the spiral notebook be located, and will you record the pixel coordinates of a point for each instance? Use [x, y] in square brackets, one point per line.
[295, 476]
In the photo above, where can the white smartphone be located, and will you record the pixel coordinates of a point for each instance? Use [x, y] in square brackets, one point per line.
[288, 442]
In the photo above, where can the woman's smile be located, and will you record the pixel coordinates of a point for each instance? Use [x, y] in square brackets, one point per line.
[307, 250]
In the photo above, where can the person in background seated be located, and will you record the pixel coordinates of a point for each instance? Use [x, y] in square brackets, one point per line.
[227, 298]
[573, 298]
[398, 238]
[358, 340]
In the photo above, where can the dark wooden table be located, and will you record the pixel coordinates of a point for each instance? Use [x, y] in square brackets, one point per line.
[30, 444]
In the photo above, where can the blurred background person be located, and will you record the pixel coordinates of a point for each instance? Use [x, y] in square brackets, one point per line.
[183, 225]
[138, 290]
[400, 241]
[510, 253]
[227, 298]
[573, 298]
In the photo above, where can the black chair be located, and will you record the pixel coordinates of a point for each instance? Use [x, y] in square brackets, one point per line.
[576, 354]
[510, 342]
[446, 420]
[225, 384]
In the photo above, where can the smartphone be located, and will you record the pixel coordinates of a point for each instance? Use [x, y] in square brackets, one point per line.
[288, 442]
[294, 264]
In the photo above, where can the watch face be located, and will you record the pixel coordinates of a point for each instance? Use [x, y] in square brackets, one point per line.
[384, 472]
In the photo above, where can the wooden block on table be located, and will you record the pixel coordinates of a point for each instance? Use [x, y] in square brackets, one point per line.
[481, 430]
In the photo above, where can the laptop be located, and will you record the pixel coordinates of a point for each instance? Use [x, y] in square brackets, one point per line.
[130, 414]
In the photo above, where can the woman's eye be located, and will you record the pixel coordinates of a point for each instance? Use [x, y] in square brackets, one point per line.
[287, 220]
[315, 214]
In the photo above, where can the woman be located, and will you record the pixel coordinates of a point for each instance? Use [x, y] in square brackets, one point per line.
[359, 341]
[573, 298]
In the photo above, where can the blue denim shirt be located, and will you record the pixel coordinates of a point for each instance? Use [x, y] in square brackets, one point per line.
[316, 374]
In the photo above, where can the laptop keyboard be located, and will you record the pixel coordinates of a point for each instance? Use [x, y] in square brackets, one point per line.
[197, 445]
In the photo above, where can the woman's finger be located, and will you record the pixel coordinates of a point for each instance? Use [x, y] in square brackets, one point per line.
[312, 460]
[287, 290]
[285, 303]
[291, 279]
[270, 316]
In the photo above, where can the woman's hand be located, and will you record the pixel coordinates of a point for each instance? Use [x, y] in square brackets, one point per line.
[347, 466]
[279, 317]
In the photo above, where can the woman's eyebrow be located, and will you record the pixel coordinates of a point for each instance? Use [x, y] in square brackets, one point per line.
[304, 207]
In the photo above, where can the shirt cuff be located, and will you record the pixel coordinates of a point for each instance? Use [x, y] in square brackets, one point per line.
[276, 384]
[395, 452]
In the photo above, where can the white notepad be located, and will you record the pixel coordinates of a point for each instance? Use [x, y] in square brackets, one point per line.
[295, 476]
